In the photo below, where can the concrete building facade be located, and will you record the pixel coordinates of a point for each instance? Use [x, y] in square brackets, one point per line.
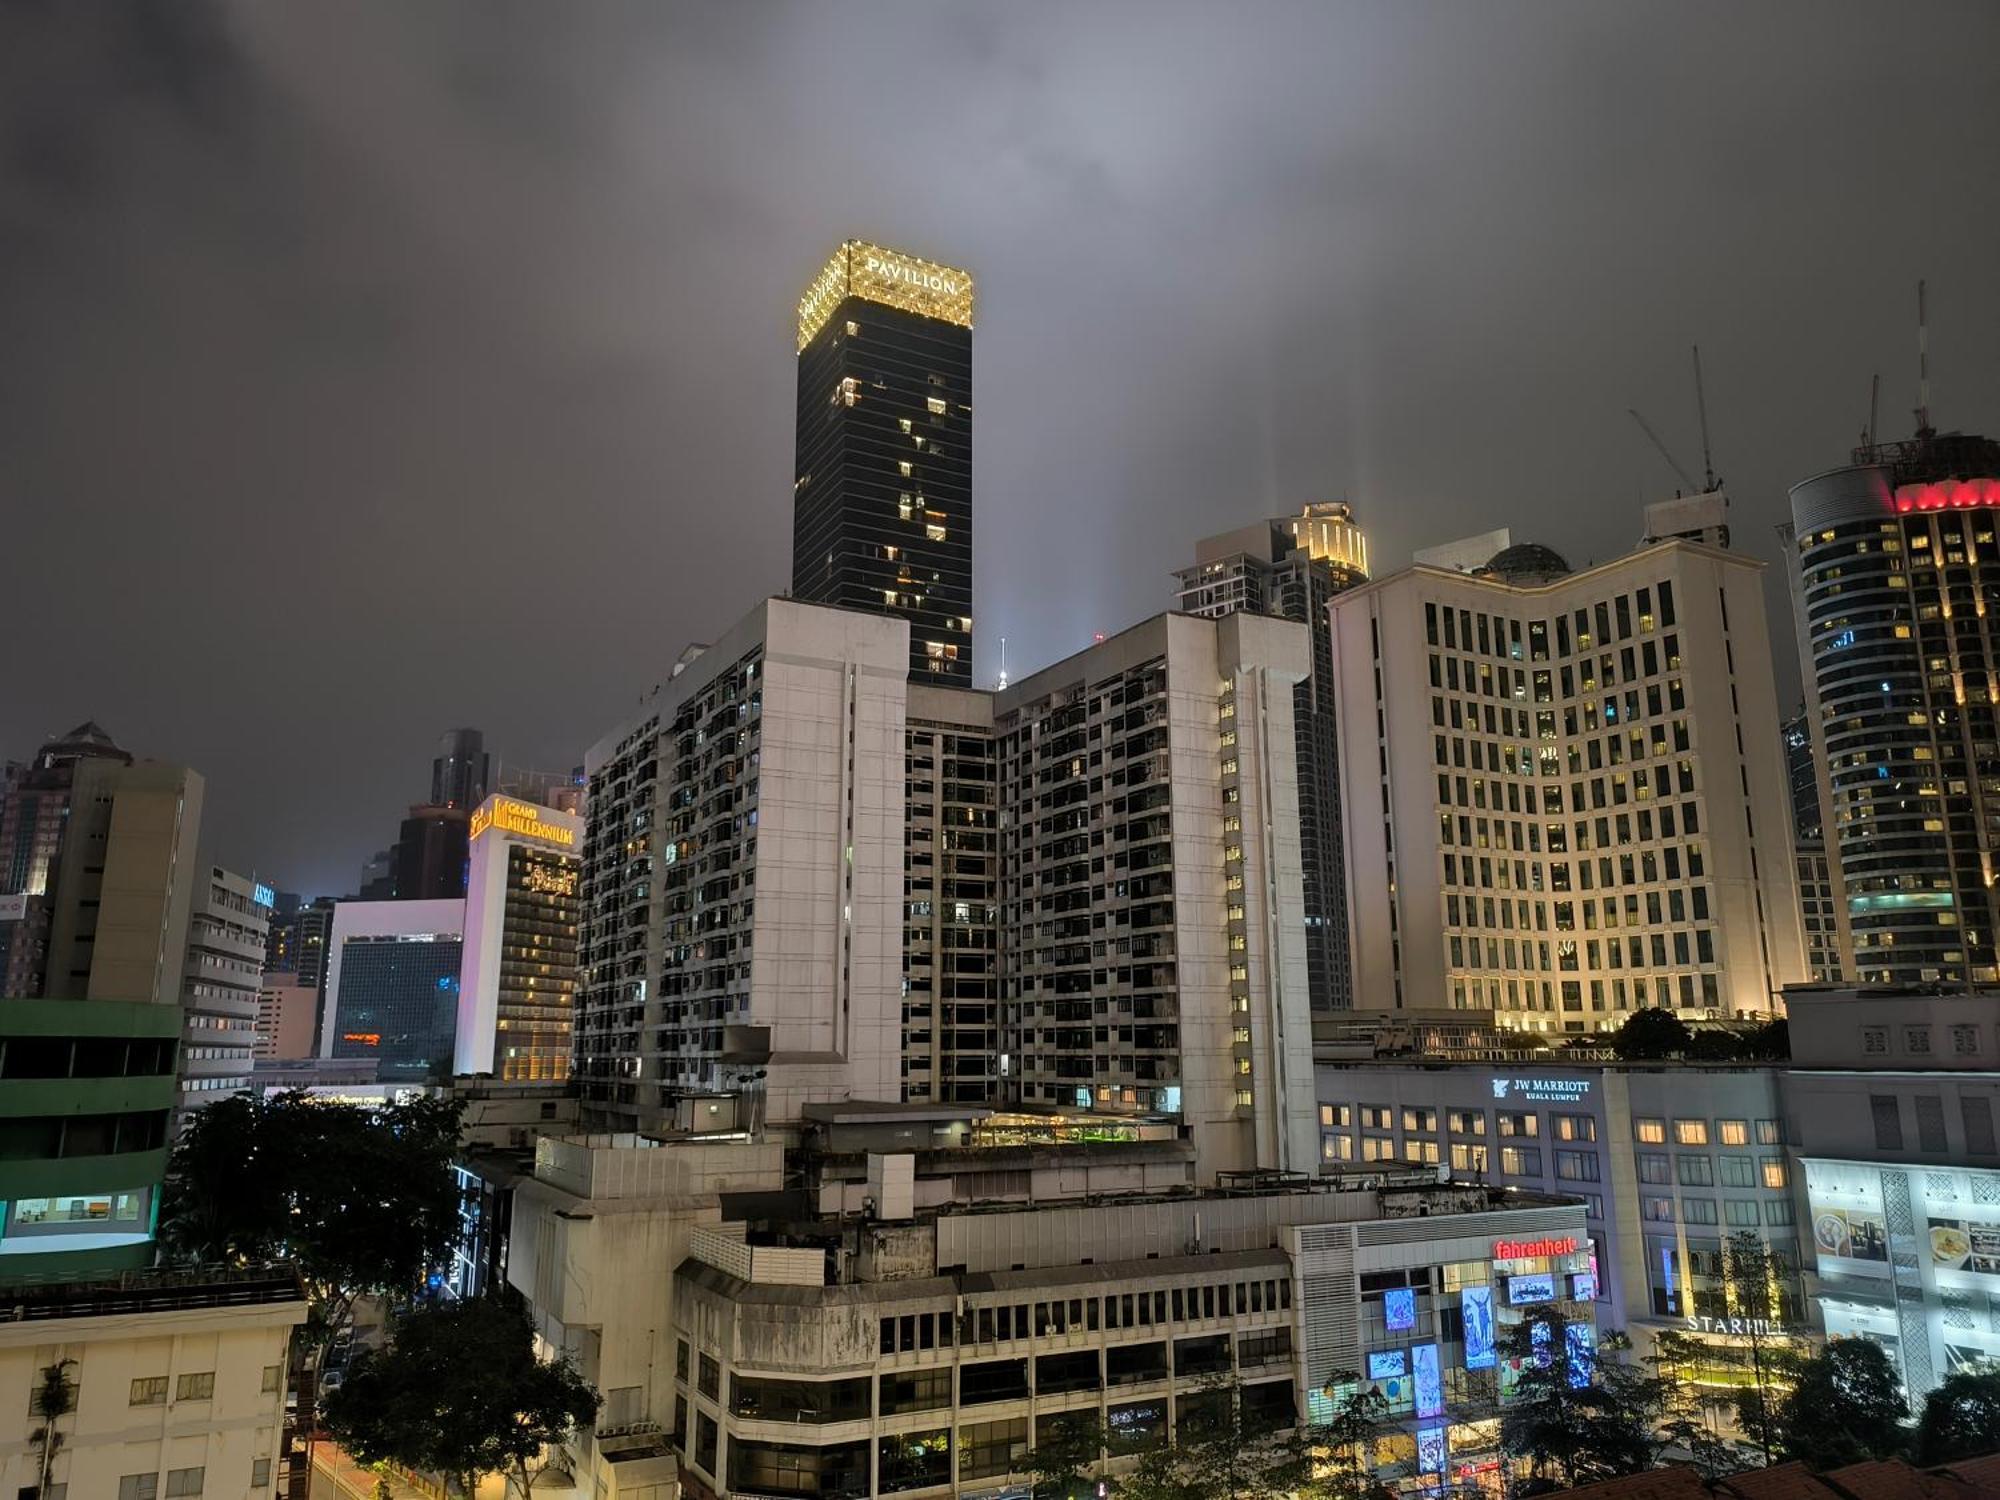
[221, 986]
[1153, 957]
[1291, 567]
[1558, 820]
[743, 877]
[1668, 1159]
[1894, 1091]
[176, 1383]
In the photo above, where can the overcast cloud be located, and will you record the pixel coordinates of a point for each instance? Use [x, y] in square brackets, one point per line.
[367, 369]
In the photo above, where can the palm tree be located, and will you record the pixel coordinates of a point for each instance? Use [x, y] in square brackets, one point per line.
[54, 1397]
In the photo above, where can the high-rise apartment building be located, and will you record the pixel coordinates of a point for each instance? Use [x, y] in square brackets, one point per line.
[813, 877]
[1560, 820]
[34, 811]
[1152, 957]
[392, 985]
[228, 931]
[1895, 577]
[882, 496]
[951, 864]
[462, 771]
[1292, 567]
[517, 990]
[743, 873]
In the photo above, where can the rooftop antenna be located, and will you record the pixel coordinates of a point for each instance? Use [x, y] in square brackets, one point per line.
[1874, 395]
[1923, 365]
[1687, 479]
[1003, 663]
[1701, 406]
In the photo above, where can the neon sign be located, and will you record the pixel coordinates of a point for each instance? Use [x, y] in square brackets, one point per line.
[523, 819]
[1947, 494]
[365, 1038]
[1528, 1249]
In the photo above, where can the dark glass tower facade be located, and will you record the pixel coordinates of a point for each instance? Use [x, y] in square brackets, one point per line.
[882, 499]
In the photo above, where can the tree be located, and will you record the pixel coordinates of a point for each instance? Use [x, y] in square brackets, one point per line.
[54, 1398]
[1717, 1044]
[362, 1200]
[1650, 1033]
[1229, 1449]
[1772, 1042]
[1577, 1415]
[1845, 1406]
[1961, 1418]
[460, 1392]
[1341, 1450]
[1070, 1449]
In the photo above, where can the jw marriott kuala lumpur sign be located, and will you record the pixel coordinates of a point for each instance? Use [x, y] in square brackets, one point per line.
[1542, 1090]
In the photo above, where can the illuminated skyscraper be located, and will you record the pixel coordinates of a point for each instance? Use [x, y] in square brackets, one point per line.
[882, 500]
[1291, 567]
[1896, 587]
[517, 995]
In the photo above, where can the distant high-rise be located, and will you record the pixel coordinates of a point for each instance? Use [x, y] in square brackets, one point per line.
[34, 810]
[1896, 578]
[430, 854]
[882, 498]
[228, 930]
[1291, 567]
[462, 772]
[517, 998]
[392, 985]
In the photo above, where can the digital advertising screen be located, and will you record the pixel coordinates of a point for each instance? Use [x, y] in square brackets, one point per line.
[1399, 1308]
[1475, 1307]
[1522, 1290]
[1583, 1287]
[1580, 1341]
[1427, 1374]
[1431, 1449]
[1388, 1364]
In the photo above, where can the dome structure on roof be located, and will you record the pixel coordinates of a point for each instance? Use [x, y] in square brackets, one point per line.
[1526, 564]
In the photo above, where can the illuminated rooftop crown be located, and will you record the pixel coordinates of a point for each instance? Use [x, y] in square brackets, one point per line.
[859, 269]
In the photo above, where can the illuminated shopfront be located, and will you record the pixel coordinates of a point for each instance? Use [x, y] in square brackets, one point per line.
[1434, 1325]
[1910, 1257]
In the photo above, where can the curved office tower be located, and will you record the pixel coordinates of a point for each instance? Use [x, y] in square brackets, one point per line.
[1896, 579]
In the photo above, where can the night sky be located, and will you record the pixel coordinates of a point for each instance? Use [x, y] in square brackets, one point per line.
[369, 369]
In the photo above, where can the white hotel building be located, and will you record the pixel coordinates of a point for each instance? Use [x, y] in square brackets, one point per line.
[1569, 825]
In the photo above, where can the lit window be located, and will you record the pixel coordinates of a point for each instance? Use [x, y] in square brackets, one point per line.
[1691, 1132]
[1734, 1132]
[1654, 1132]
[934, 531]
[935, 403]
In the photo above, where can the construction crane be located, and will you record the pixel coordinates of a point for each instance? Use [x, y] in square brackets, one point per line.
[1673, 463]
[1701, 407]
